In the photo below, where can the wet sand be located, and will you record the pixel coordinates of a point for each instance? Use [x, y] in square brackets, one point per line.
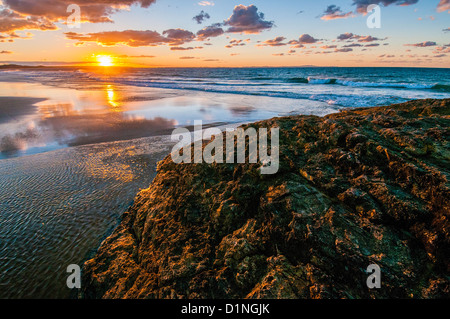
[42, 118]
[13, 107]
[57, 207]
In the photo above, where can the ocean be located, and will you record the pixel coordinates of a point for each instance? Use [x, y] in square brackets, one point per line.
[77, 143]
[343, 87]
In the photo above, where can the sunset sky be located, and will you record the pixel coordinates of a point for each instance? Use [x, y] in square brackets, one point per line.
[224, 33]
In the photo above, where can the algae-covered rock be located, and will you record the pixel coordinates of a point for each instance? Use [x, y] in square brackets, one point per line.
[360, 187]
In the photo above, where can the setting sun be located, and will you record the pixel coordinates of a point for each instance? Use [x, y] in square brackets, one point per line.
[104, 60]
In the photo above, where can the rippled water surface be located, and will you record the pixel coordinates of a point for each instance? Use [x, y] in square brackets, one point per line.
[56, 207]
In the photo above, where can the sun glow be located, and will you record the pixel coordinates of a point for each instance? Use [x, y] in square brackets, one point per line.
[105, 60]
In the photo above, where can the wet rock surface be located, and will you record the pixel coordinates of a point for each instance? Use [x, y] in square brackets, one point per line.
[364, 186]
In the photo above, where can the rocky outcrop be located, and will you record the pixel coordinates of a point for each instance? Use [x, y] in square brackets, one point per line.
[360, 187]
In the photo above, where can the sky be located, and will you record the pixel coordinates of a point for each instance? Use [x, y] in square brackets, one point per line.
[226, 33]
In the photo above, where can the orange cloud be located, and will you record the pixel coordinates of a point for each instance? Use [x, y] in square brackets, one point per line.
[11, 21]
[55, 10]
[134, 38]
[16, 15]
[444, 5]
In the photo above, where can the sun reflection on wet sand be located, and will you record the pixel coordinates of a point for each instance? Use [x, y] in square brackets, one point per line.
[111, 96]
[58, 117]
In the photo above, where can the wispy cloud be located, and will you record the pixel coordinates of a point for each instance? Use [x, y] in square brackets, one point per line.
[422, 44]
[202, 16]
[343, 50]
[368, 38]
[278, 41]
[442, 49]
[236, 43]
[333, 12]
[181, 48]
[206, 3]
[348, 36]
[326, 47]
[137, 56]
[444, 5]
[352, 45]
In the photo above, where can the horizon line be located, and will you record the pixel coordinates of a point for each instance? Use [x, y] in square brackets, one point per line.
[40, 64]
